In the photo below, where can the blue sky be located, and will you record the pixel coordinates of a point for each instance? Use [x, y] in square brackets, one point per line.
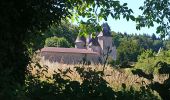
[122, 25]
[128, 26]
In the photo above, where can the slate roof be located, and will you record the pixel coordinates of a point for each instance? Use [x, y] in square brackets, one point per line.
[67, 50]
[105, 30]
[80, 39]
[94, 42]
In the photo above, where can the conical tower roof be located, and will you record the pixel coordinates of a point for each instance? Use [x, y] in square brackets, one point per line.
[80, 39]
[105, 30]
[94, 42]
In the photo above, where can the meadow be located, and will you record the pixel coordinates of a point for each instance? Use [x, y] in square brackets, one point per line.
[119, 79]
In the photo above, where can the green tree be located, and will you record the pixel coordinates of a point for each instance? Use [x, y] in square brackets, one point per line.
[21, 21]
[155, 11]
[126, 43]
[128, 50]
[57, 42]
[153, 37]
[116, 38]
[163, 88]
[167, 44]
[65, 29]
[148, 59]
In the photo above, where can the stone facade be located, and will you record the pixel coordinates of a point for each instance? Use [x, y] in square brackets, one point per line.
[70, 58]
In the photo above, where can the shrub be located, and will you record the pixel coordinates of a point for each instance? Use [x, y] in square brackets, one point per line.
[148, 59]
[57, 42]
[163, 88]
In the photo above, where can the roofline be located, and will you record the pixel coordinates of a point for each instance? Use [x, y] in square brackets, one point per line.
[96, 53]
[67, 51]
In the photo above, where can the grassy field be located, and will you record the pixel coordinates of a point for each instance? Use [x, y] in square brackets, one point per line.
[114, 76]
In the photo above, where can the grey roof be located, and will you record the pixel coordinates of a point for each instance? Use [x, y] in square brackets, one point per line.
[80, 39]
[94, 42]
[105, 30]
[67, 50]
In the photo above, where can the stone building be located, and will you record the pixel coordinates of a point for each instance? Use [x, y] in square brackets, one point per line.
[90, 49]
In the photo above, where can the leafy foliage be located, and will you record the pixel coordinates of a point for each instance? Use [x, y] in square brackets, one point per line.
[21, 22]
[66, 30]
[95, 11]
[128, 50]
[167, 44]
[56, 42]
[162, 88]
[148, 59]
[130, 46]
[155, 11]
[60, 86]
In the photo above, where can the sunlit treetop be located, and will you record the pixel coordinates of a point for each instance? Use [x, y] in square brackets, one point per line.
[97, 10]
[155, 11]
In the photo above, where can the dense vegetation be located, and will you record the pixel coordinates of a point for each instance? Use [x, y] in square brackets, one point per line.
[130, 46]
[57, 42]
[24, 22]
[63, 84]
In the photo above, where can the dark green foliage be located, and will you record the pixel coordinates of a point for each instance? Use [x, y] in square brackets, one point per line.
[148, 59]
[128, 50]
[145, 93]
[167, 44]
[20, 22]
[65, 29]
[57, 42]
[92, 87]
[162, 88]
[155, 11]
[140, 73]
[130, 46]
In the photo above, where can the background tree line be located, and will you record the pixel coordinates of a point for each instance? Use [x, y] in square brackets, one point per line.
[130, 46]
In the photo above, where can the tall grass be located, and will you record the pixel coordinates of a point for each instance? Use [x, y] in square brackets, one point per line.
[115, 77]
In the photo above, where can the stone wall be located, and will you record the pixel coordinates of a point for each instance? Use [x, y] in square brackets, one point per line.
[70, 58]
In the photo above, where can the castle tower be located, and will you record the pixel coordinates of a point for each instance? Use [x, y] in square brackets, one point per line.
[105, 39]
[94, 45]
[89, 37]
[113, 53]
[80, 42]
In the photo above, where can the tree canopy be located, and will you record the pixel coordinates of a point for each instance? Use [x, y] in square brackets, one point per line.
[155, 11]
[57, 42]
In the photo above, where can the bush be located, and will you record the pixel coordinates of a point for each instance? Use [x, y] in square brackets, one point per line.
[57, 42]
[148, 59]
[162, 88]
